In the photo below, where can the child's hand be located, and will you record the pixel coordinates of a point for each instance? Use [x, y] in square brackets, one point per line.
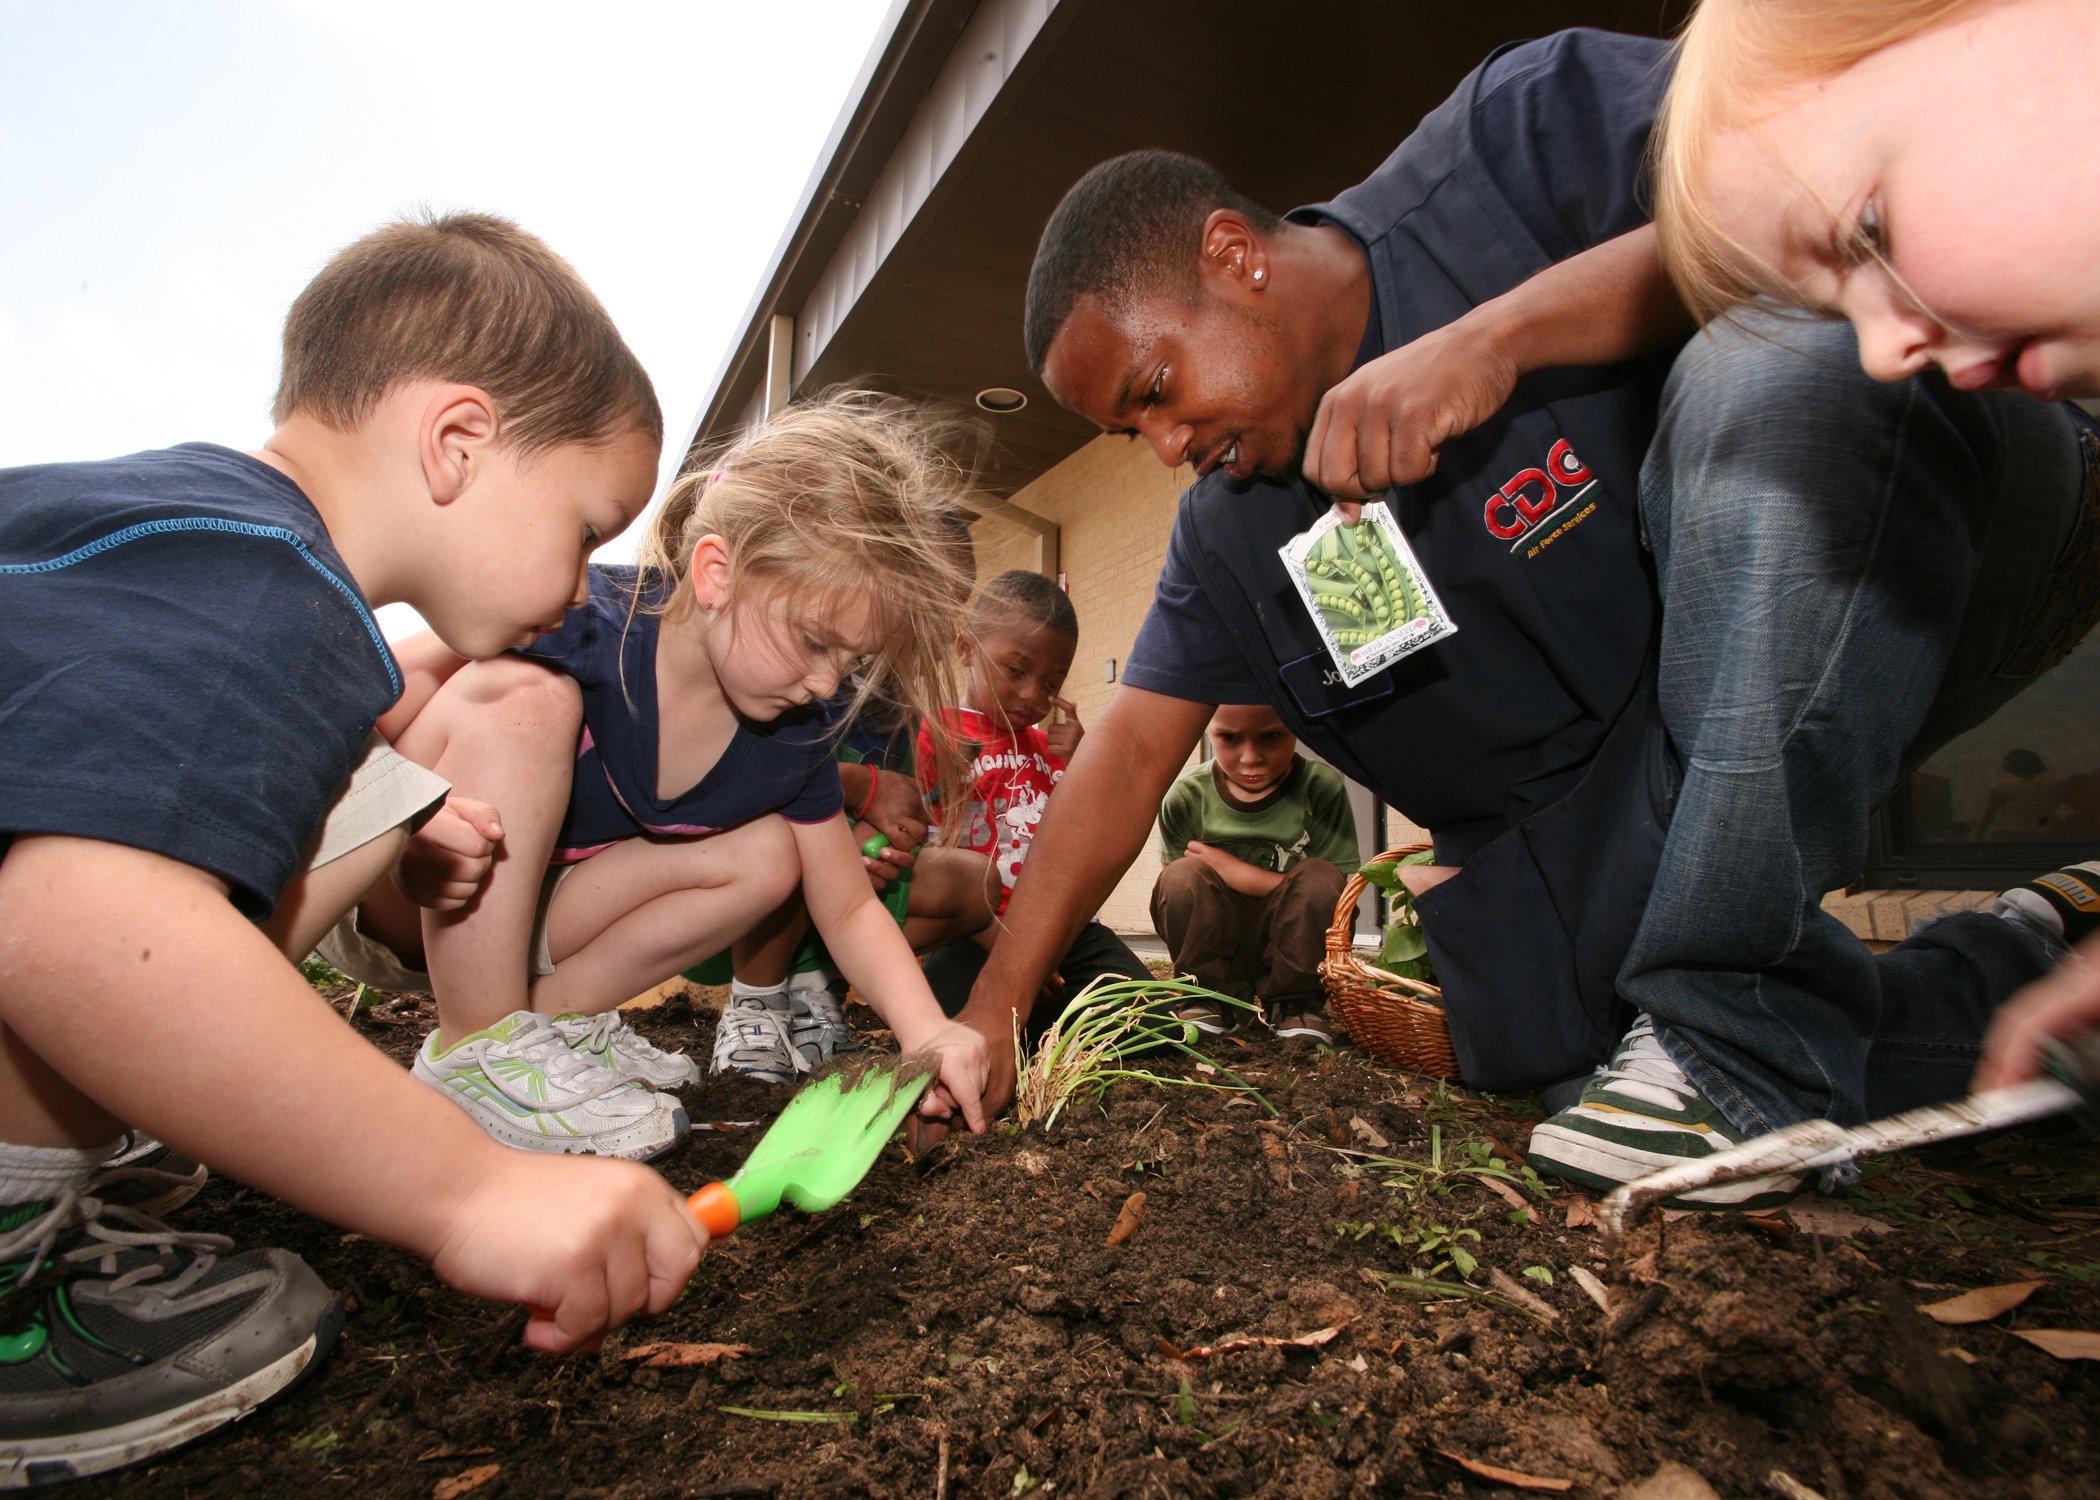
[1064, 731]
[965, 1068]
[2062, 1004]
[885, 866]
[448, 859]
[587, 1244]
[897, 811]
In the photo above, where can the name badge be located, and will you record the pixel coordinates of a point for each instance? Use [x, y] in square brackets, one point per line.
[1319, 689]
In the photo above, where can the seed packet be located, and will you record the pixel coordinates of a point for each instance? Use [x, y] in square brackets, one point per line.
[1365, 590]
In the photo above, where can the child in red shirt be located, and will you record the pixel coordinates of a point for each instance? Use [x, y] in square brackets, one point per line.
[1022, 636]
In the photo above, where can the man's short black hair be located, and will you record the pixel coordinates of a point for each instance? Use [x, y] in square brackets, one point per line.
[1021, 594]
[1133, 224]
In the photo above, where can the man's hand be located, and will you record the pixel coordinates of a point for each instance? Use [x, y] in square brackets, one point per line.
[448, 859]
[586, 1244]
[1384, 424]
[1064, 731]
[2063, 1004]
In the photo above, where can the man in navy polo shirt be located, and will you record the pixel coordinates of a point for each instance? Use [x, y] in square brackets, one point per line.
[1711, 604]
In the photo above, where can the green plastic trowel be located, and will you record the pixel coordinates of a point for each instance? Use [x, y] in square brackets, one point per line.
[823, 1143]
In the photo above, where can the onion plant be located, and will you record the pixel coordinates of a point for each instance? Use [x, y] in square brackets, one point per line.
[1100, 1030]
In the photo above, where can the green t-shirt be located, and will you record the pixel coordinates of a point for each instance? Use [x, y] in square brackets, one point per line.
[1308, 814]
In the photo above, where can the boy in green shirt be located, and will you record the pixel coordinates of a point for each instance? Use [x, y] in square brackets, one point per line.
[1255, 844]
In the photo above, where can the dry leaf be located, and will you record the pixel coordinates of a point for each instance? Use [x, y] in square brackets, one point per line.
[446, 1450]
[1582, 1212]
[1313, 1340]
[1835, 1221]
[2064, 1343]
[1127, 1221]
[1508, 1194]
[1508, 1476]
[1961, 1354]
[1980, 1305]
[1585, 1278]
[667, 1356]
[1525, 1298]
[1368, 1135]
[467, 1483]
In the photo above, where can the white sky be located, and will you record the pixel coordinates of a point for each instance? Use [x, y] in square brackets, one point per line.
[171, 174]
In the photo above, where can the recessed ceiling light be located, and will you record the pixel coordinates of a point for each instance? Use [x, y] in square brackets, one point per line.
[1001, 398]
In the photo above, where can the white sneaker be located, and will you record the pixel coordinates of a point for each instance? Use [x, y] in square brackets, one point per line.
[752, 1038]
[524, 1086]
[816, 1020]
[607, 1040]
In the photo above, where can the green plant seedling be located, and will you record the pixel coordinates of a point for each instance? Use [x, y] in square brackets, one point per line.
[1102, 1026]
[823, 1143]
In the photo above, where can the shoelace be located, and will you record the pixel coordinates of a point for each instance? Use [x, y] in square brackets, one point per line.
[760, 1028]
[1645, 1071]
[539, 1043]
[101, 1223]
[608, 1031]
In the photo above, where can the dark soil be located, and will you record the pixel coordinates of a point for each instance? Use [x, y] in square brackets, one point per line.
[961, 1327]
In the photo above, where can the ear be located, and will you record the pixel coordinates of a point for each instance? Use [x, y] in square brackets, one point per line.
[1234, 259]
[966, 648]
[456, 436]
[709, 576]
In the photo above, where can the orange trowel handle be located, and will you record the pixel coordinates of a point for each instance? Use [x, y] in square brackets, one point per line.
[716, 1209]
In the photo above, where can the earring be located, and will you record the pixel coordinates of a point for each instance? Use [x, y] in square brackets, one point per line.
[1258, 275]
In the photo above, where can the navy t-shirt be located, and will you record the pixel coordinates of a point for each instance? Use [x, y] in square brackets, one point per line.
[784, 766]
[188, 668]
[1554, 601]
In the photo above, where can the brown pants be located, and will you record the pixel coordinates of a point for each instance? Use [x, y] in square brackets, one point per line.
[1246, 946]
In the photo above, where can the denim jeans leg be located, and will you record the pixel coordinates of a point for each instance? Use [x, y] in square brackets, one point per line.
[1817, 539]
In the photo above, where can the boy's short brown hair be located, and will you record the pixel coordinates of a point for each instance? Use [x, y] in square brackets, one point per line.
[470, 298]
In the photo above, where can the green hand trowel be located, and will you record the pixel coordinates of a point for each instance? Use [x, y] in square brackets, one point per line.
[823, 1143]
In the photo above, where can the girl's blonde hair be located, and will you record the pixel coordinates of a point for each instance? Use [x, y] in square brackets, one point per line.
[1734, 62]
[847, 495]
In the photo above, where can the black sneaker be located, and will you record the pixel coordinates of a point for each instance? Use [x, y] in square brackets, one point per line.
[143, 1175]
[121, 1338]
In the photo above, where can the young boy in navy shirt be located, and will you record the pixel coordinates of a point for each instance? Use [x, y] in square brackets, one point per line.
[192, 673]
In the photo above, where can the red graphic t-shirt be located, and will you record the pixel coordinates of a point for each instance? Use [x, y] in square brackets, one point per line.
[1010, 775]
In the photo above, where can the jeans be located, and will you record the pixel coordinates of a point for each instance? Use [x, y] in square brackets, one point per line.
[1845, 567]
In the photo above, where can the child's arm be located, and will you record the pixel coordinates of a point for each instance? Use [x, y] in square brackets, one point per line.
[1248, 880]
[1331, 821]
[870, 949]
[134, 979]
[427, 664]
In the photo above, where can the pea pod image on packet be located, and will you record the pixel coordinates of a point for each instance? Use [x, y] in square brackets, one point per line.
[1365, 590]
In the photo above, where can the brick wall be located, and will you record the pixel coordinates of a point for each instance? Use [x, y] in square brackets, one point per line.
[1114, 506]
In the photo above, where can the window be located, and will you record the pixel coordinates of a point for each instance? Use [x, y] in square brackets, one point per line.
[2017, 795]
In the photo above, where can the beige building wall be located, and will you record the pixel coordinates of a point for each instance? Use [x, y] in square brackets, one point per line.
[1113, 505]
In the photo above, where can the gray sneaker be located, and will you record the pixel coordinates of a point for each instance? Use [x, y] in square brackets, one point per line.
[143, 1175]
[816, 1021]
[121, 1338]
[753, 1038]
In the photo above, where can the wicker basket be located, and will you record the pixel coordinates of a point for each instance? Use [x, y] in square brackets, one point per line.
[1395, 1020]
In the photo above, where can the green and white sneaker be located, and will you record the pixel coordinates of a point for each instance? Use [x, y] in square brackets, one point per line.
[816, 1021]
[121, 1338]
[607, 1040]
[524, 1085]
[1639, 1115]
